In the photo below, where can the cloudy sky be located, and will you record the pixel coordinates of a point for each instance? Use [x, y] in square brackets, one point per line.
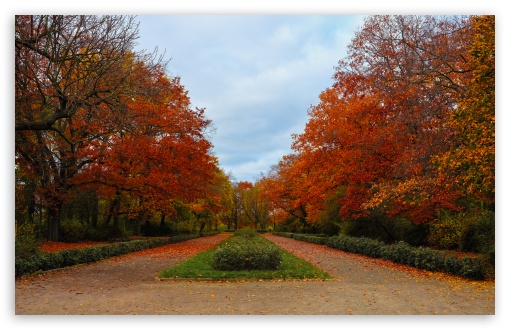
[256, 75]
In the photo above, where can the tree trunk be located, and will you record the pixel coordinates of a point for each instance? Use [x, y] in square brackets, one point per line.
[162, 221]
[136, 230]
[113, 209]
[94, 212]
[202, 226]
[53, 222]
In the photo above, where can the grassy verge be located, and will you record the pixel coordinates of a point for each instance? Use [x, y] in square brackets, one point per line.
[200, 266]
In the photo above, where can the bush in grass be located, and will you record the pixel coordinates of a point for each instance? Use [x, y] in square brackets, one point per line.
[245, 251]
[246, 232]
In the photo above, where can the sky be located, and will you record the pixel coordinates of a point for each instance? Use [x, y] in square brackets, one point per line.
[256, 76]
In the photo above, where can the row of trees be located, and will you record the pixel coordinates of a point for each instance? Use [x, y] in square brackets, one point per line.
[406, 132]
[404, 137]
[102, 133]
[244, 206]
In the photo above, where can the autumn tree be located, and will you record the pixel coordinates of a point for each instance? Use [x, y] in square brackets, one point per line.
[255, 207]
[235, 214]
[470, 162]
[373, 138]
[228, 201]
[69, 76]
[160, 156]
[280, 188]
[210, 209]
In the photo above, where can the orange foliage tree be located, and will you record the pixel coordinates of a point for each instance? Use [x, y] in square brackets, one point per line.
[373, 140]
[471, 161]
[90, 111]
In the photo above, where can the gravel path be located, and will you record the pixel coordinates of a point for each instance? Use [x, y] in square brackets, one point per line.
[128, 285]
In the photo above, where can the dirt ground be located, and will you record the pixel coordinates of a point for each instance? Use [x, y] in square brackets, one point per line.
[127, 285]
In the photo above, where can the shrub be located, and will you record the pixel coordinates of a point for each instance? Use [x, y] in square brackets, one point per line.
[26, 242]
[72, 231]
[479, 235]
[47, 261]
[428, 259]
[116, 233]
[96, 234]
[452, 265]
[472, 268]
[401, 252]
[246, 232]
[310, 238]
[361, 245]
[245, 251]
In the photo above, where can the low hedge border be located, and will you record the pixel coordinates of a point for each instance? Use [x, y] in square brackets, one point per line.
[246, 250]
[403, 253]
[243, 252]
[52, 260]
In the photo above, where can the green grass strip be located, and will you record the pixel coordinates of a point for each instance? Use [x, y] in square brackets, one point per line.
[200, 267]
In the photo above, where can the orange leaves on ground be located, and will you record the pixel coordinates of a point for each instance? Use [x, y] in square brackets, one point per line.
[174, 250]
[179, 250]
[51, 246]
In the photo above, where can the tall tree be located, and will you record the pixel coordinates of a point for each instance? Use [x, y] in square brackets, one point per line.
[376, 132]
[471, 161]
[72, 79]
[161, 155]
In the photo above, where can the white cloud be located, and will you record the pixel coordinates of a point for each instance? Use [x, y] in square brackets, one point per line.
[255, 75]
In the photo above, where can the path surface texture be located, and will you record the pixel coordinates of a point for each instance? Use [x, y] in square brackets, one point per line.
[128, 285]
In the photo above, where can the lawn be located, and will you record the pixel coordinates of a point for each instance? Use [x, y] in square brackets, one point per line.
[200, 267]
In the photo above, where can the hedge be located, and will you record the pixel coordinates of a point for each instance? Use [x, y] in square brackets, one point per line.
[65, 258]
[246, 250]
[420, 257]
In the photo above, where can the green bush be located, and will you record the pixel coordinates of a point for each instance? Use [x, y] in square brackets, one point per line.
[316, 239]
[384, 229]
[479, 235]
[26, 243]
[428, 259]
[47, 261]
[246, 232]
[452, 265]
[361, 245]
[446, 231]
[245, 251]
[72, 231]
[401, 252]
[472, 268]
[96, 234]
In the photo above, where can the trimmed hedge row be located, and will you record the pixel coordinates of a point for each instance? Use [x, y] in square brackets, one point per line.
[403, 253]
[246, 251]
[65, 258]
